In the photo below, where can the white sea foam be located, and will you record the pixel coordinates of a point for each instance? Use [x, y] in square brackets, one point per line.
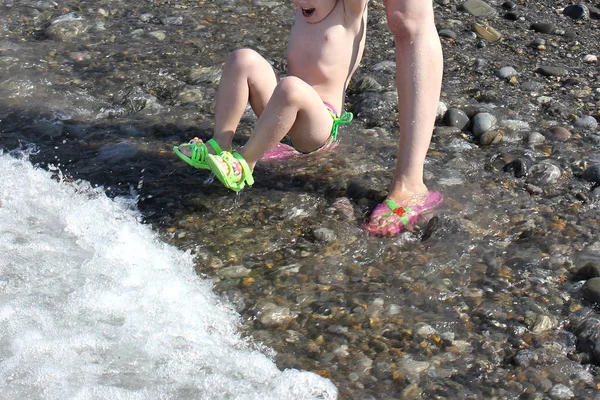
[93, 305]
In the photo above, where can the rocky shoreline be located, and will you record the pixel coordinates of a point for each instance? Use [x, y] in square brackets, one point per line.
[494, 297]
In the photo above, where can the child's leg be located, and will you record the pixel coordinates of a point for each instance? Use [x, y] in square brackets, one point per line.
[296, 109]
[247, 77]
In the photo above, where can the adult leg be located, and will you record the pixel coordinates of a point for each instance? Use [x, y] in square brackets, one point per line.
[419, 68]
[295, 109]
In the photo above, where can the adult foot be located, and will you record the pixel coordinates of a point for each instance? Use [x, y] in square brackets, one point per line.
[390, 218]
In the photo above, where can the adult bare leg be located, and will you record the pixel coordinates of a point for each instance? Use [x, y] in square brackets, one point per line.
[419, 68]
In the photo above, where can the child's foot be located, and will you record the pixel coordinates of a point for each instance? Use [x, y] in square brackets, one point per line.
[390, 218]
[231, 169]
[194, 153]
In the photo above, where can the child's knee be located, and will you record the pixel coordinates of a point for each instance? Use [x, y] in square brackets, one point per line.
[244, 58]
[291, 90]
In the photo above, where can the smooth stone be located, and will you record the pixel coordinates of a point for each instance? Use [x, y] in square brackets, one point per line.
[478, 8]
[587, 122]
[483, 122]
[591, 290]
[577, 11]
[512, 16]
[588, 271]
[325, 235]
[158, 35]
[543, 27]
[557, 133]
[442, 108]
[592, 174]
[532, 86]
[590, 58]
[506, 72]
[536, 138]
[543, 323]
[272, 315]
[490, 137]
[234, 272]
[457, 118]
[509, 5]
[446, 130]
[447, 33]
[549, 70]
[561, 392]
[543, 174]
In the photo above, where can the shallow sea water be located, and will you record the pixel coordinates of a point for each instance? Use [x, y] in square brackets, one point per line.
[449, 311]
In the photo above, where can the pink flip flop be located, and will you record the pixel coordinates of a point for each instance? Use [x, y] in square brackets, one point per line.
[405, 215]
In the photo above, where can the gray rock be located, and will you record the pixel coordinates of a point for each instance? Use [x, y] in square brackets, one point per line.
[536, 138]
[483, 122]
[532, 86]
[457, 118]
[234, 272]
[549, 70]
[588, 122]
[543, 174]
[561, 392]
[490, 137]
[478, 8]
[506, 72]
[447, 33]
[588, 271]
[325, 235]
[557, 133]
[272, 315]
[592, 174]
[543, 27]
[577, 11]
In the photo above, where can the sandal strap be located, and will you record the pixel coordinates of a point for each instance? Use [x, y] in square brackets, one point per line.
[246, 171]
[403, 213]
[213, 143]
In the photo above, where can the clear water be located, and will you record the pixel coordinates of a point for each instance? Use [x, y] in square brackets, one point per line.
[94, 305]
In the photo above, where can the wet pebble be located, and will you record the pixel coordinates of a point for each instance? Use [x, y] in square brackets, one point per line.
[272, 315]
[592, 174]
[543, 173]
[551, 70]
[577, 11]
[483, 122]
[591, 290]
[457, 118]
[506, 72]
[543, 27]
[587, 122]
[557, 133]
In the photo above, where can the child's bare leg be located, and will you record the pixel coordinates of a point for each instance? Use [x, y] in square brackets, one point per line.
[247, 77]
[419, 66]
[296, 109]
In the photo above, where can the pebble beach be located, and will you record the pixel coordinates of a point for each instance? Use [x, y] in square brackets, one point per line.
[493, 297]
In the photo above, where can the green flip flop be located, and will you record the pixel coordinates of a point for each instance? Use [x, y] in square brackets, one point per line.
[199, 152]
[231, 169]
